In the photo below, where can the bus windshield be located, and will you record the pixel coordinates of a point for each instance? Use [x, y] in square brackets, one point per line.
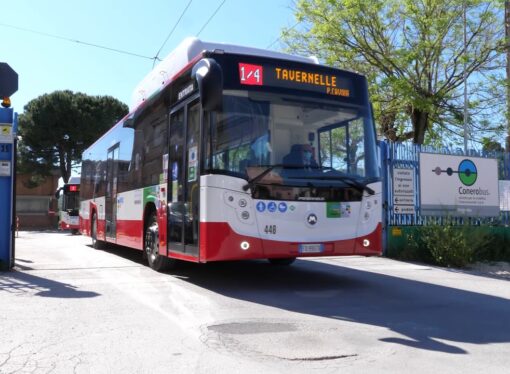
[302, 141]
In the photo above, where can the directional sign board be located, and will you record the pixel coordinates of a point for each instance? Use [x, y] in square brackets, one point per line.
[8, 80]
[404, 193]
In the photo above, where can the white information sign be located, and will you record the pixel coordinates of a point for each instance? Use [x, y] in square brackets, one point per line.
[504, 195]
[458, 185]
[5, 168]
[403, 191]
[6, 133]
[404, 209]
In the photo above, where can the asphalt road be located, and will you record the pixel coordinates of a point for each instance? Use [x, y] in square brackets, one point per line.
[67, 308]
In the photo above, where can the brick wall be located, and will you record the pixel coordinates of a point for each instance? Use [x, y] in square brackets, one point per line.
[36, 207]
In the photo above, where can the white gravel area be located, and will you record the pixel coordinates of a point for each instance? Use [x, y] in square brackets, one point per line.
[493, 269]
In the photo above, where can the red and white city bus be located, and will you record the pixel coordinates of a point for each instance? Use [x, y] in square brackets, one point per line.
[68, 205]
[232, 153]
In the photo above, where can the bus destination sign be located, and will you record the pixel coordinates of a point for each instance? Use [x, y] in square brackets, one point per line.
[276, 76]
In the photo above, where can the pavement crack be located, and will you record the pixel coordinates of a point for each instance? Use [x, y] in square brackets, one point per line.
[318, 358]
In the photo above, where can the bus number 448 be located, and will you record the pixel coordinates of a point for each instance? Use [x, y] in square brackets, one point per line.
[270, 229]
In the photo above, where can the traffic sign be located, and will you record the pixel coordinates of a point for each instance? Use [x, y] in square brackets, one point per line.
[403, 182]
[404, 209]
[8, 80]
[404, 193]
[403, 200]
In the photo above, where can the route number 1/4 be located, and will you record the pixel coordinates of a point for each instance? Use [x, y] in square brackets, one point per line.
[251, 74]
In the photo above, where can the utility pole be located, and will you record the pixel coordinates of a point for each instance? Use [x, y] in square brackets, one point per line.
[465, 83]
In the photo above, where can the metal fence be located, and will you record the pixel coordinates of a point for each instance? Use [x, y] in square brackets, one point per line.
[406, 156]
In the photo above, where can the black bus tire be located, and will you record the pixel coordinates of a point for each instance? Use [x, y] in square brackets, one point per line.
[151, 244]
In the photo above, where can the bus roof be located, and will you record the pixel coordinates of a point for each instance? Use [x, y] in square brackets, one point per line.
[185, 52]
[74, 180]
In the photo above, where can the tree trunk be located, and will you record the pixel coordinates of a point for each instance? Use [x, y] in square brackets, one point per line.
[507, 40]
[420, 120]
[64, 170]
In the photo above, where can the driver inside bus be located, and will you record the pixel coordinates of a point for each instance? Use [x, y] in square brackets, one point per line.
[301, 155]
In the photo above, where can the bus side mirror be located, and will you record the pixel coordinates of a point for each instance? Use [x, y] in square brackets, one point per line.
[209, 78]
[57, 193]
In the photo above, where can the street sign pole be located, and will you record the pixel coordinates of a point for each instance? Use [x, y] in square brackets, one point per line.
[8, 129]
[6, 187]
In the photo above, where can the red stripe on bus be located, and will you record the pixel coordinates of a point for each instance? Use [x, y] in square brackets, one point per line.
[218, 242]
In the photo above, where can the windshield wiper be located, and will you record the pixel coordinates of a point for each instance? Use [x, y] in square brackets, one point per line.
[258, 177]
[346, 179]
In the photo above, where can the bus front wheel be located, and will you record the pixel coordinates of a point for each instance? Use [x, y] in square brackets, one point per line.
[156, 260]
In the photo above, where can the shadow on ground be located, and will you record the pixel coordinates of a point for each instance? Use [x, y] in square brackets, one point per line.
[429, 317]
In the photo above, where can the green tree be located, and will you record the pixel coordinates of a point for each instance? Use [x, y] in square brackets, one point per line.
[56, 128]
[412, 53]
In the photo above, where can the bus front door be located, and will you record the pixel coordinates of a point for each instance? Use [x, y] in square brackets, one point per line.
[184, 188]
[112, 168]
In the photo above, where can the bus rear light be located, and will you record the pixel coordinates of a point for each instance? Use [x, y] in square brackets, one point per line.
[366, 243]
[245, 245]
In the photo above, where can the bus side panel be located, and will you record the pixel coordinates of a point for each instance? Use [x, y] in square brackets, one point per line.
[129, 225]
[85, 217]
[129, 233]
[97, 206]
[368, 239]
[219, 242]
[374, 245]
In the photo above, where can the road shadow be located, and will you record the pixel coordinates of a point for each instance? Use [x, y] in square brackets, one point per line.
[425, 314]
[22, 282]
[127, 253]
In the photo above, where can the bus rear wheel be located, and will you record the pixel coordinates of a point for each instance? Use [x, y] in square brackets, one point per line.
[156, 260]
[281, 261]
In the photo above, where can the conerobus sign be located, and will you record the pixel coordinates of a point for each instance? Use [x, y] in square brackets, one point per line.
[458, 185]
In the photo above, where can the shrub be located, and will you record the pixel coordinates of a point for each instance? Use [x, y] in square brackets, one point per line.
[450, 245]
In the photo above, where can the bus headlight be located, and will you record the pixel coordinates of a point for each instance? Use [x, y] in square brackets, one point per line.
[245, 215]
[366, 243]
[242, 203]
[245, 246]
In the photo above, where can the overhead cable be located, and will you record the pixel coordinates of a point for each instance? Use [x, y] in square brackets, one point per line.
[76, 41]
[277, 39]
[211, 17]
[171, 32]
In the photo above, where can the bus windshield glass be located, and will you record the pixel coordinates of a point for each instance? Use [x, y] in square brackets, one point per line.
[303, 142]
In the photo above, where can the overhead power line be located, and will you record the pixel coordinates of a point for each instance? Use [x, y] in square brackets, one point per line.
[76, 41]
[277, 39]
[171, 32]
[211, 17]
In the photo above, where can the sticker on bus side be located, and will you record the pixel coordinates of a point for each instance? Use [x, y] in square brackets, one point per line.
[192, 164]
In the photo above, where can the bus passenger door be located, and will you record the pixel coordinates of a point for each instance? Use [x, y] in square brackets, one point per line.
[112, 168]
[184, 178]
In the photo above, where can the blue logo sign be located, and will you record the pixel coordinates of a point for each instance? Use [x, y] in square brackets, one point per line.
[271, 206]
[261, 206]
[282, 207]
[175, 171]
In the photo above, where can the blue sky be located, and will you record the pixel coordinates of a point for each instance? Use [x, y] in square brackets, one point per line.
[47, 64]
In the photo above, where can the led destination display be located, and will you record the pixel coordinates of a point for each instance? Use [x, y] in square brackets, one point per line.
[302, 79]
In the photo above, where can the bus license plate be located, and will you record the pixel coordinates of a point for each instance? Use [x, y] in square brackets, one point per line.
[311, 248]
